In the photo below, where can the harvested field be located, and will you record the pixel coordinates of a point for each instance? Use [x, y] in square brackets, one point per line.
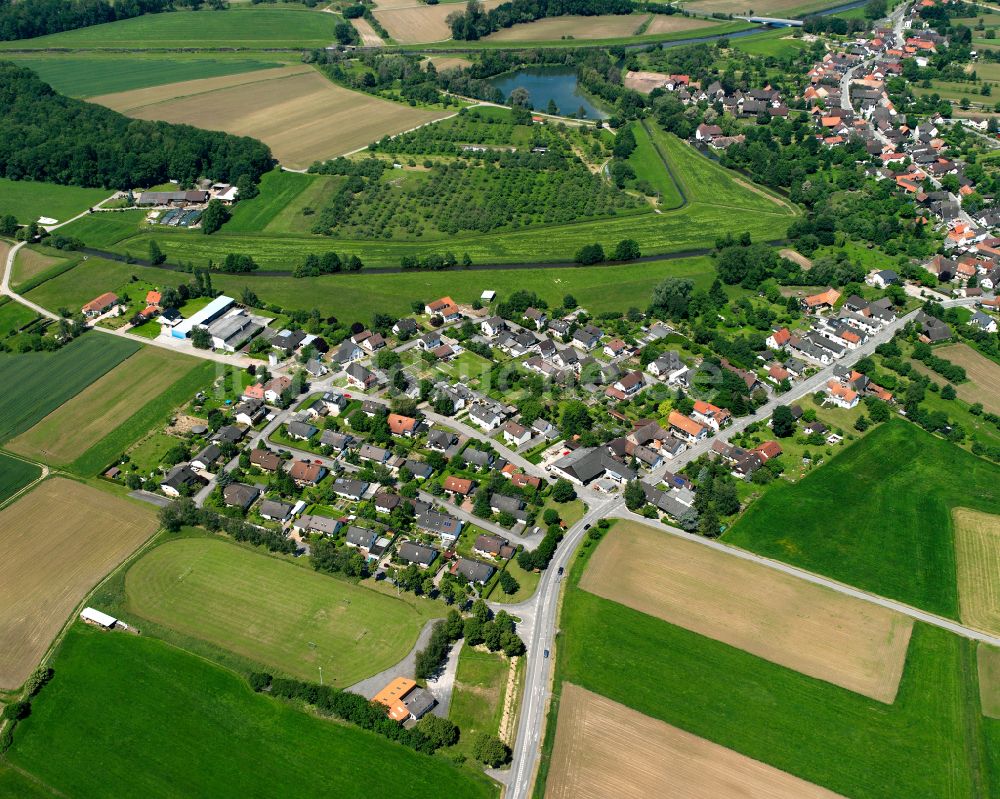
[644, 81]
[300, 114]
[605, 749]
[419, 24]
[58, 541]
[664, 23]
[30, 263]
[977, 551]
[369, 38]
[983, 374]
[796, 257]
[845, 641]
[771, 8]
[441, 63]
[989, 680]
[91, 415]
[609, 26]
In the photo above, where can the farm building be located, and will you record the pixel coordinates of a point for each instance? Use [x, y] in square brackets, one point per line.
[92, 616]
[204, 317]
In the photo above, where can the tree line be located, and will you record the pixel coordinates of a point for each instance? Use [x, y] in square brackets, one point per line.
[26, 19]
[49, 137]
[475, 23]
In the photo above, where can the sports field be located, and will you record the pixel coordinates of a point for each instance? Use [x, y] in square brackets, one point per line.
[58, 541]
[605, 749]
[88, 76]
[289, 26]
[418, 23]
[600, 27]
[15, 474]
[29, 200]
[805, 627]
[984, 375]
[284, 616]
[36, 383]
[877, 516]
[989, 680]
[298, 113]
[977, 544]
[87, 418]
[165, 723]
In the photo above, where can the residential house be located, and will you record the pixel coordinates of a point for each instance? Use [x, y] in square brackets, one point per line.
[472, 571]
[311, 523]
[181, 479]
[402, 425]
[207, 458]
[307, 473]
[265, 460]
[686, 428]
[274, 510]
[478, 458]
[779, 339]
[360, 537]
[490, 546]
[485, 418]
[840, 395]
[516, 435]
[441, 440]
[275, 387]
[406, 327]
[249, 412]
[458, 485]
[369, 452]
[239, 495]
[443, 525]
[707, 414]
[361, 377]
[334, 402]
[586, 464]
[99, 305]
[587, 337]
[349, 489]
[627, 386]
[445, 308]
[301, 431]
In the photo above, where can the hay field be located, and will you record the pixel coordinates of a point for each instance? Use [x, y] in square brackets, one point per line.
[30, 263]
[664, 23]
[845, 641]
[58, 541]
[443, 62]
[91, 415]
[989, 680]
[412, 23]
[609, 26]
[977, 551]
[274, 612]
[369, 38]
[983, 374]
[605, 749]
[300, 114]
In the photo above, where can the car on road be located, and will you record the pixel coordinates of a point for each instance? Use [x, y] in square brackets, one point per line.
[586, 527]
[560, 570]
[546, 653]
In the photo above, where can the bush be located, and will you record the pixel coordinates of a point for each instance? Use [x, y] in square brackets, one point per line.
[259, 680]
[590, 254]
[508, 583]
[438, 731]
[16, 711]
[39, 677]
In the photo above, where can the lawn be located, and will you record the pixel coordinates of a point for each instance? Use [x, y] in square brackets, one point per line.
[877, 516]
[776, 44]
[249, 28]
[859, 747]
[164, 723]
[15, 474]
[83, 76]
[37, 383]
[527, 584]
[287, 617]
[477, 701]
[14, 316]
[569, 512]
[98, 411]
[148, 454]
[28, 200]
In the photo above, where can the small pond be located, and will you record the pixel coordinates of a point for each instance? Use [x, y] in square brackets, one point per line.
[550, 83]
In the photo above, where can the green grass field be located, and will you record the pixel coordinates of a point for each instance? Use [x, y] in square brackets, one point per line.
[83, 76]
[278, 192]
[776, 44]
[37, 383]
[928, 743]
[249, 28]
[648, 166]
[287, 617]
[877, 516]
[15, 474]
[27, 200]
[14, 785]
[14, 316]
[477, 701]
[607, 288]
[719, 201]
[92, 277]
[164, 723]
[150, 411]
[527, 583]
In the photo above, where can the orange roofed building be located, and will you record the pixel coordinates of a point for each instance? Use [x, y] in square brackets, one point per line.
[391, 697]
[826, 299]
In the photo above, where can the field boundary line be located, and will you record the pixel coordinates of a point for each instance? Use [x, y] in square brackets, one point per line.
[46, 472]
[925, 616]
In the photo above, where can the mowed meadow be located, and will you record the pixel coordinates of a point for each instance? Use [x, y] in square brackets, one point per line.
[195, 729]
[268, 611]
[301, 115]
